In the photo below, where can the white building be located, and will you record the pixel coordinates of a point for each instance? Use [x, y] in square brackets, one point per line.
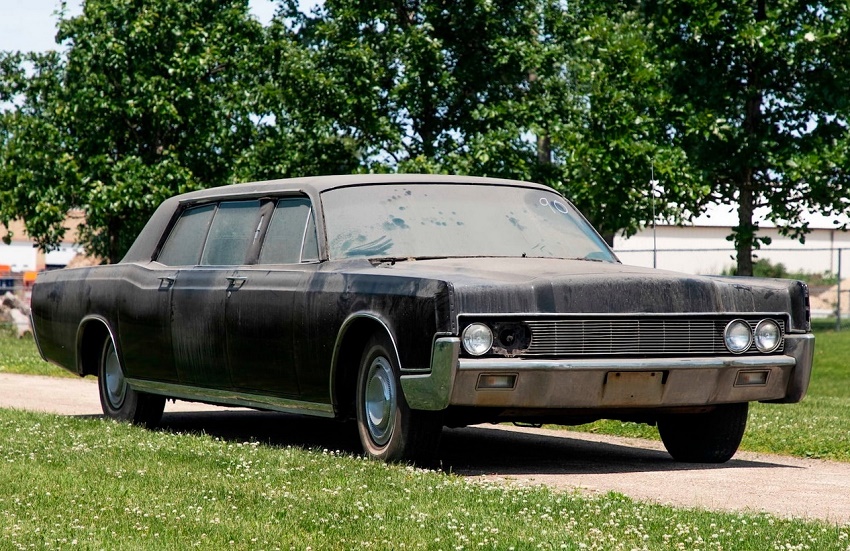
[21, 255]
[701, 247]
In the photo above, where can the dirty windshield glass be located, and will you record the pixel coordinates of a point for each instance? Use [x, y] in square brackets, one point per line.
[438, 220]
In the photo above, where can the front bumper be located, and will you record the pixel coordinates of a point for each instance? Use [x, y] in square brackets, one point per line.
[612, 382]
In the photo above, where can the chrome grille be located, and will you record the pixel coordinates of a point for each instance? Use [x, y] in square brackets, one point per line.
[633, 337]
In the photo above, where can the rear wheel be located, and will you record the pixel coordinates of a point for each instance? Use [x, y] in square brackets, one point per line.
[711, 437]
[389, 430]
[117, 399]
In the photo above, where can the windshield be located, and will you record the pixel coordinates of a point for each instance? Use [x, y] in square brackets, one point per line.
[444, 220]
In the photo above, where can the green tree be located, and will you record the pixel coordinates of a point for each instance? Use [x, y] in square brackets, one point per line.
[414, 85]
[601, 103]
[150, 98]
[34, 164]
[156, 97]
[760, 107]
[300, 124]
[562, 94]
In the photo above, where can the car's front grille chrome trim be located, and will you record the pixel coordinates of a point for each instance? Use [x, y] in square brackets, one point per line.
[579, 337]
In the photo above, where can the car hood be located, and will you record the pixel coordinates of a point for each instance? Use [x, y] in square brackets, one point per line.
[538, 285]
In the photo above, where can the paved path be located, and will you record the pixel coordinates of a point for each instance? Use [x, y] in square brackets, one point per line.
[783, 486]
[65, 396]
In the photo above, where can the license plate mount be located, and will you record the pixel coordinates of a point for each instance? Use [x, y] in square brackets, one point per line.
[625, 388]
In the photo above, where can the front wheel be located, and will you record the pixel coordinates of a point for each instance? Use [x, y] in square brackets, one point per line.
[711, 437]
[389, 430]
[117, 399]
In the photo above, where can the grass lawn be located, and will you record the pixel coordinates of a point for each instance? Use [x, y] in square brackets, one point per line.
[21, 356]
[69, 483]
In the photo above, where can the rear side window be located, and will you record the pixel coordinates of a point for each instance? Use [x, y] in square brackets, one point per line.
[234, 228]
[186, 240]
[291, 236]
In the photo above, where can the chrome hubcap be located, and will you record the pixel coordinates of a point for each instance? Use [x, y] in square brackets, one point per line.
[380, 400]
[116, 385]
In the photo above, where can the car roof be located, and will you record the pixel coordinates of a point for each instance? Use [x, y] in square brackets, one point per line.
[319, 184]
[145, 243]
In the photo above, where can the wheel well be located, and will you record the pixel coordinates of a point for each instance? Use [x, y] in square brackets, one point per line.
[348, 356]
[94, 334]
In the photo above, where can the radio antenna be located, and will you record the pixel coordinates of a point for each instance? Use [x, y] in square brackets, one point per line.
[652, 183]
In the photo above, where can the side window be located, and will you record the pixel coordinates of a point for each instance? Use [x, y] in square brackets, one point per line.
[233, 230]
[291, 236]
[310, 251]
[184, 244]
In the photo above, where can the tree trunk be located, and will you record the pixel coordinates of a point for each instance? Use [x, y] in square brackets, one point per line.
[745, 232]
[114, 243]
[544, 149]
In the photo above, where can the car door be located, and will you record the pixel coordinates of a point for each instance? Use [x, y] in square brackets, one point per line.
[145, 309]
[262, 333]
[144, 330]
[199, 295]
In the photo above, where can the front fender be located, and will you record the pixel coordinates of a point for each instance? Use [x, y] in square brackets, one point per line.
[432, 391]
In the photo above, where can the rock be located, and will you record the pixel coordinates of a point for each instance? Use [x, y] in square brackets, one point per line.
[22, 323]
[11, 300]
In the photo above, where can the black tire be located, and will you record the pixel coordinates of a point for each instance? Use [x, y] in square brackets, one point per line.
[389, 430]
[711, 437]
[117, 399]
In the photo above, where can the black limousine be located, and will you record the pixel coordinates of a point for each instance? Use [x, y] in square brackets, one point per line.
[413, 302]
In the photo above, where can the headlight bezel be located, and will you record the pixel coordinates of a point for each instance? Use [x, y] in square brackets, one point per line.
[474, 336]
[737, 325]
[767, 349]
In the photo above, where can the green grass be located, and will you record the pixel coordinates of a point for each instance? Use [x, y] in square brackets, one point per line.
[94, 484]
[21, 356]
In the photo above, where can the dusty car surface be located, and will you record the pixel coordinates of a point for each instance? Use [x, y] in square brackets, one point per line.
[411, 302]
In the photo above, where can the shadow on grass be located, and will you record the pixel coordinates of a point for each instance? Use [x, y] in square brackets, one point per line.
[469, 451]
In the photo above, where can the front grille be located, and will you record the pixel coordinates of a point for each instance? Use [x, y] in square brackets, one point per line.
[632, 337]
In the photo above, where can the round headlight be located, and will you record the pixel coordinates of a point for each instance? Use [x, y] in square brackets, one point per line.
[477, 339]
[768, 336]
[738, 336]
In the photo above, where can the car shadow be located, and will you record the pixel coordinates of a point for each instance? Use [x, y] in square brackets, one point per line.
[468, 451]
[271, 428]
[478, 451]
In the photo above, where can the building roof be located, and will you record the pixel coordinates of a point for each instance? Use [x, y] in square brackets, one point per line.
[726, 216]
[72, 223]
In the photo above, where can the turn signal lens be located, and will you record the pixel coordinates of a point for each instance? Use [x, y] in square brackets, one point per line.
[477, 339]
[768, 336]
[738, 336]
[751, 378]
[496, 382]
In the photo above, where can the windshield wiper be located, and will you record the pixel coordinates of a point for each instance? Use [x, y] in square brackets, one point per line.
[393, 259]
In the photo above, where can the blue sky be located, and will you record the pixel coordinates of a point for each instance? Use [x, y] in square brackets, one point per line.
[30, 25]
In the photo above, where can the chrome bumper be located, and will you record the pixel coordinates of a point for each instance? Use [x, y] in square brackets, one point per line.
[609, 383]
